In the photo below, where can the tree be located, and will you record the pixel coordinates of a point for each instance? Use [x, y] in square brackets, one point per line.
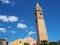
[0, 43]
[53, 43]
[38, 44]
[59, 42]
[26, 43]
[44, 42]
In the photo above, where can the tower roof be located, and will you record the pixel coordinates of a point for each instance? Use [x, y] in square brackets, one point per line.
[38, 7]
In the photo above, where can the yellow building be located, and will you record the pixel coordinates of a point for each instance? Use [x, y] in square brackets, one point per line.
[28, 40]
[17, 42]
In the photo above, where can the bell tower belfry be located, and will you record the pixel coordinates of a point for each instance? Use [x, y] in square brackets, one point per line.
[40, 23]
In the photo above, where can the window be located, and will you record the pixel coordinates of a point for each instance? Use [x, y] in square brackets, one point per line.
[33, 44]
[0, 43]
[20, 41]
[40, 13]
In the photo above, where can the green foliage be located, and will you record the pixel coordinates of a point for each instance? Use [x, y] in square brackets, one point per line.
[53, 43]
[59, 42]
[26, 43]
[0, 43]
[44, 42]
[38, 44]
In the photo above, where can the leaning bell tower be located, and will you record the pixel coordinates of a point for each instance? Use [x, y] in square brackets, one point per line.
[40, 24]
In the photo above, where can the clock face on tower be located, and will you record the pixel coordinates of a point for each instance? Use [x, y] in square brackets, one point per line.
[40, 13]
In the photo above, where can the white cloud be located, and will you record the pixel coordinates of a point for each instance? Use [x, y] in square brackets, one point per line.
[31, 32]
[8, 2]
[2, 30]
[31, 27]
[4, 18]
[5, 1]
[13, 32]
[8, 18]
[13, 18]
[21, 25]
[9, 26]
[26, 30]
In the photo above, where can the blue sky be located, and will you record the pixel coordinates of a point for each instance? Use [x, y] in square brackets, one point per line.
[17, 18]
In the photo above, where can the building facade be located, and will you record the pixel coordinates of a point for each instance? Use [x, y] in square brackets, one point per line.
[40, 24]
[3, 42]
[28, 40]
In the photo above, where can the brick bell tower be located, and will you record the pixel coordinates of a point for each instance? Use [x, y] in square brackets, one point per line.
[40, 24]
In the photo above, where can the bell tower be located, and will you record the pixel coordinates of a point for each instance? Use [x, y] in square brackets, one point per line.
[40, 24]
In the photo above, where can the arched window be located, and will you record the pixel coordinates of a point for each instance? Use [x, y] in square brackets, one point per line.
[40, 13]
[20, 41]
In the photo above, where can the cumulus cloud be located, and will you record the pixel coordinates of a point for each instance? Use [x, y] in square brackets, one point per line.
[5, 1]
[31, 27]
[13, 18]
[26, 30]
[13, 32]
[2, 30]
[21, 25]
[4, 18]
[8, 18]
[31, 32]
[8, 2]
[9, 26]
